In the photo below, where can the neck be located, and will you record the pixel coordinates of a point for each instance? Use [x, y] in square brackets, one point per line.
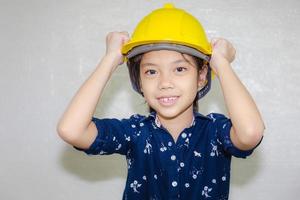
[177, 124]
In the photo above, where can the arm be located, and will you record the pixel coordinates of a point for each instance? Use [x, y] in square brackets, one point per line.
[247, 124]
[75, 126]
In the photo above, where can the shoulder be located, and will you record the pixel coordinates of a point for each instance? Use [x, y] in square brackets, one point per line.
[216, 116]
[218, 119]
[119, 123]
[215, 121]
[213, 117]
[134, 120]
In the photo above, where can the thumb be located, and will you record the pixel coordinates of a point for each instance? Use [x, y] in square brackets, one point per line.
[125, 37]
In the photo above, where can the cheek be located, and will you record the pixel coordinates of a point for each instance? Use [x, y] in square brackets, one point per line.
[191, 82]
[146, 86]
[193, 88]
[148, 94]
[142, 83]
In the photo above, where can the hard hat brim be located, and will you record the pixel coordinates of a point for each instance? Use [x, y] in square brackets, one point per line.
[167, 46]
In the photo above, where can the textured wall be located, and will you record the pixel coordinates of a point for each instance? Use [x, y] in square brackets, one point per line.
[48, 48]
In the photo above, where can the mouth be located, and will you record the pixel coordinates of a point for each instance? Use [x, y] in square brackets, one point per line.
[168, 101]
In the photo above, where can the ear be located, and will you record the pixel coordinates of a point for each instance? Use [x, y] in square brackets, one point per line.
[202, 77]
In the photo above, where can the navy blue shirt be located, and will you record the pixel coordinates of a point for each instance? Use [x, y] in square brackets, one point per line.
[196, 166]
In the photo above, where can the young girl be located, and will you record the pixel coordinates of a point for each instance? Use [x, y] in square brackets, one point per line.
[174, 152]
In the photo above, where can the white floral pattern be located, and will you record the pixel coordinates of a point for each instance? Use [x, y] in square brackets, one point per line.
[154, 159]
[135, 185]
[205, 192]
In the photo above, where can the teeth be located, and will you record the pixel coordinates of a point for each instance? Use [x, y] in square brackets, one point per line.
[168, 99]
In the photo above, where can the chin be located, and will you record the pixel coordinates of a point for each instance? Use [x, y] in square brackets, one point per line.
[170, 113]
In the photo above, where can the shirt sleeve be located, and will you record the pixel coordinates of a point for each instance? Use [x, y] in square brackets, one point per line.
[114, 136]
[223, 126]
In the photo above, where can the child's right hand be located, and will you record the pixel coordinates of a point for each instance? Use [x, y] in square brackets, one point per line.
[114, 44]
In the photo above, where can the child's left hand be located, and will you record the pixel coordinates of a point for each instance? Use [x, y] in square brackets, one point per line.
[222, 51]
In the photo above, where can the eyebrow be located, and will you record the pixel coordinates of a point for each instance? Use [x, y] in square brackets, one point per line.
[174, 62]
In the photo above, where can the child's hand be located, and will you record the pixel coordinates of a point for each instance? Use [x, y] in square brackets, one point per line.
[222, 51]
[114, 44]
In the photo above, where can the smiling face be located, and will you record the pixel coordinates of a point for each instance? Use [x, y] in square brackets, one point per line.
[169, 82]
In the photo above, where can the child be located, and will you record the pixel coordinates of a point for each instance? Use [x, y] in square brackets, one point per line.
[175, 152]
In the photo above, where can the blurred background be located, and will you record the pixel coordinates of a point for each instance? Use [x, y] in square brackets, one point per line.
[49, 48]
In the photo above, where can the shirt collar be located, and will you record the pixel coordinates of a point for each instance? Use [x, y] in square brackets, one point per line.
[154, 117]
[158, 124]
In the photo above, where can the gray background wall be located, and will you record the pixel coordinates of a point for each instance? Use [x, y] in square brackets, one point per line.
[48, 48]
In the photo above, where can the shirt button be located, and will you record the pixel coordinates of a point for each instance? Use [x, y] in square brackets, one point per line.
[174, 183]
[173, 157]
[183, 135]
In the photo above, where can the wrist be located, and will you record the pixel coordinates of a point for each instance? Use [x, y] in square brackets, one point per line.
[224, 69]
[116, 57]
[109, 62]
[217, 63]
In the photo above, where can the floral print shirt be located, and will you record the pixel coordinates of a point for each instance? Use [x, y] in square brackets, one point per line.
[196, 166]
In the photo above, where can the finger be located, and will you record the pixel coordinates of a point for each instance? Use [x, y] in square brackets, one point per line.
[125, 33]
[126, 39]
[214, 41]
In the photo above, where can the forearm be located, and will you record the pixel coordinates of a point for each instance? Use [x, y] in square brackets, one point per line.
[79, 112]
[246, 119]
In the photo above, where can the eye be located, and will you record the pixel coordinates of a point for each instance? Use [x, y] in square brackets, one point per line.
[181, 69]
[150, 72]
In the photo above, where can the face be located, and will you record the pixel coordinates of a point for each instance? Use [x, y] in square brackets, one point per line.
[169, 82]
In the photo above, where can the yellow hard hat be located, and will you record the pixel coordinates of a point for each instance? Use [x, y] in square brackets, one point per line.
[170, 28]
[169, 25]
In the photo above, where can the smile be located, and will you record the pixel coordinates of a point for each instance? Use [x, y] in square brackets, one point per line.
[168, 101]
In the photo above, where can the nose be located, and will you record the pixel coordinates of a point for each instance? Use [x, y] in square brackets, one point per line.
[165, 81]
